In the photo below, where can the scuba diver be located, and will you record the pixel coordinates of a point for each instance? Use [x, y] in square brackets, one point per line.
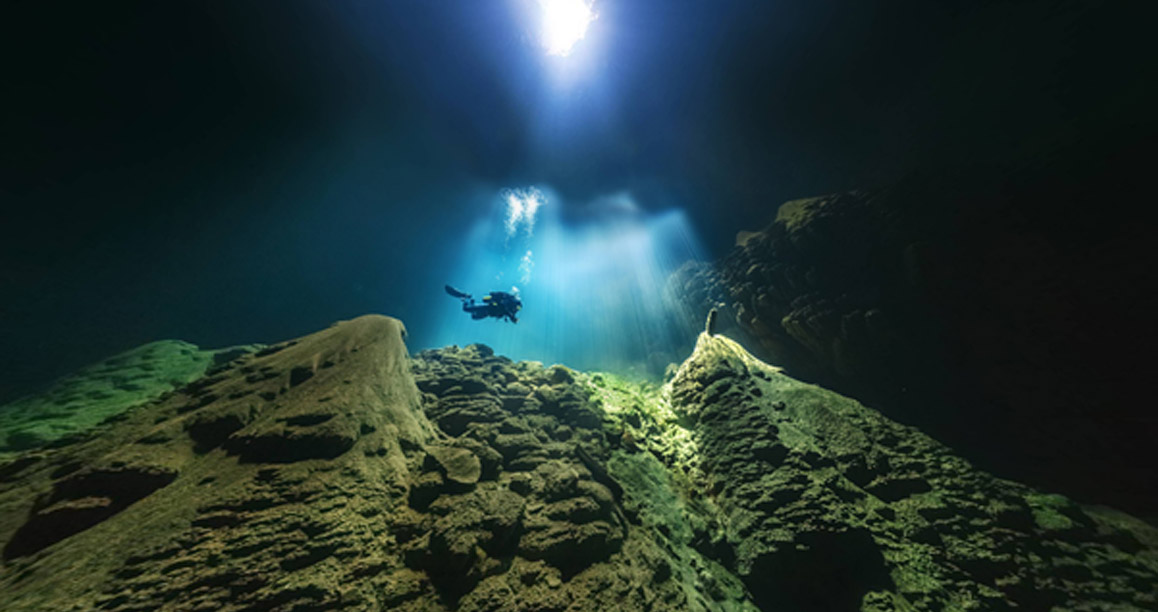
[497, 304]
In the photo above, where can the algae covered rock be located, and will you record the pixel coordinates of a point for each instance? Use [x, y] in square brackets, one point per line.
[77, 403]
[162, 513]
[826, 505]
[335, 471]
[457, 464]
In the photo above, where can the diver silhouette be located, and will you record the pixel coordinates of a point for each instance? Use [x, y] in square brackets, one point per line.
[497, 304]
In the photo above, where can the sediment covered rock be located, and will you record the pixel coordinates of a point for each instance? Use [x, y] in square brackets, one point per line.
[336, 472]
[77, 403]
[822, 504]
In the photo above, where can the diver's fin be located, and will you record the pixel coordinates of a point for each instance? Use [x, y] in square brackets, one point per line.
[456, 293]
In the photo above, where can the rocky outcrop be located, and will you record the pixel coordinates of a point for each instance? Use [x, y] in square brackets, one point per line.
[967, 311]
[823, 504]
[252, 487]
[546, 521]
[336, 472]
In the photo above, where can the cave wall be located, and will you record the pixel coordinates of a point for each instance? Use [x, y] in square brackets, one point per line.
[1005, 313]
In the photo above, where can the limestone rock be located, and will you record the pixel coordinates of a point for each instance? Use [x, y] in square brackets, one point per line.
[825, 505]
[335, 471]
[458, 464]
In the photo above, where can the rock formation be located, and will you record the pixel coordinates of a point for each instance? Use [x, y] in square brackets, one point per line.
[824, 504]
[992, 317]
[337, 472]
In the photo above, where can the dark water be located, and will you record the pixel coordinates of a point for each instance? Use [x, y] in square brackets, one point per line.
[240, 172]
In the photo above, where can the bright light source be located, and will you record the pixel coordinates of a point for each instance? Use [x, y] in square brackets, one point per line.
[564, 24]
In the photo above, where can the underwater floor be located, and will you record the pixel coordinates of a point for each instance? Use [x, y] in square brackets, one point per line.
[337, 471]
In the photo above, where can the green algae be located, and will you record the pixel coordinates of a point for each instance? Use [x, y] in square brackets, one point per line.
[81, 401]
[735, 487]
[950, 536]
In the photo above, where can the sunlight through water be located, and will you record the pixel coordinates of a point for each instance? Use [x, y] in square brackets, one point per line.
[591, 279]
[564, 24]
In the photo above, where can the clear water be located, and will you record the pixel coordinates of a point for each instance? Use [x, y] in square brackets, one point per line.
[592, 283]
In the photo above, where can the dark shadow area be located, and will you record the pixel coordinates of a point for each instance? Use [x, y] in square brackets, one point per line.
[81, 501]
[1004, 310]
[820, 572]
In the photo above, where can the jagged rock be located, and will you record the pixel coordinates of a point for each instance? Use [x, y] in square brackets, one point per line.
[458, 464]
[825, 505]
[740, 489]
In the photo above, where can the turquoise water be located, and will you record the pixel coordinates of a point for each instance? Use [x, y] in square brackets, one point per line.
[592, 283]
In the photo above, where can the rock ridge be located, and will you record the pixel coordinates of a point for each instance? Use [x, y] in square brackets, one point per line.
[336, 472]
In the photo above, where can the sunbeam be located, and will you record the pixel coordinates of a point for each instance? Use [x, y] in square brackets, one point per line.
[591, 283]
